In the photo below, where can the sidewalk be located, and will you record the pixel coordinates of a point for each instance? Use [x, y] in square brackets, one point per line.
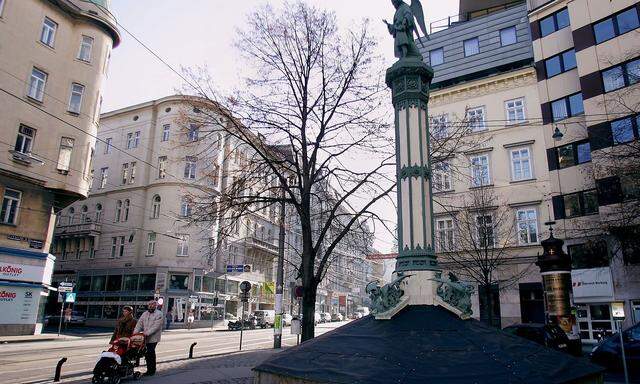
[232, 368]
[35, 338]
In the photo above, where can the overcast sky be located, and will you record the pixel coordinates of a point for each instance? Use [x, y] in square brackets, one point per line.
[190, 33]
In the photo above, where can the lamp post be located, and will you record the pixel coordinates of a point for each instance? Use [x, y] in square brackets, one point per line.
[555, 268]
[277, 326]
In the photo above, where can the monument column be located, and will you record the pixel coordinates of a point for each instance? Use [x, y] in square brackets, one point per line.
[409, 79]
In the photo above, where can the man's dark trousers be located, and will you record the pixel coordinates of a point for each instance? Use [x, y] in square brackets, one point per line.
[150, 358]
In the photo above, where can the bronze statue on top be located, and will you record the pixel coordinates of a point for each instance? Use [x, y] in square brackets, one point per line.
[404, 24]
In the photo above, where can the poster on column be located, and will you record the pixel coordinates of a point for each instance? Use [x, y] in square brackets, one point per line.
[18, 305]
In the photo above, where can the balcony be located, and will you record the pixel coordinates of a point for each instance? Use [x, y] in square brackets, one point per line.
[260, 245]
[77, 230]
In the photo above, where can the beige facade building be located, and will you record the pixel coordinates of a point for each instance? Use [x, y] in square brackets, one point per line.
[586, 55]
[53, 62]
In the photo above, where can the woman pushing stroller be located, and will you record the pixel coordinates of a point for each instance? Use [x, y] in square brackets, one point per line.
[125, 324]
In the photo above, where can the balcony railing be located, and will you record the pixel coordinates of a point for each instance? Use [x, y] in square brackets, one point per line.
[80, 229]
[254, 242]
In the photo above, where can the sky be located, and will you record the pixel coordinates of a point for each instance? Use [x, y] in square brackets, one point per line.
[191, 33]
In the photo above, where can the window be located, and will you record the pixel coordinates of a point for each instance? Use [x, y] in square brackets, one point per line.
[98, 213]
[484, 226]
[576, 204]
[508, 36]
[444, 235]
[114, 246]
[48, 34]
[162, 167]
[83, 214]
[75, 100]
[527, 222]
[133, 139]
[471, 47]
[64, 157]
[616, 25]
[72, 215]
[567, 107]
[480, 171]
[592, 254]
[86, 45]
[185, 208]
[151, 244]
[1, 7]
[215, 175]
[190, 167]
[193, 133]
[121, 246]
[179, 282]
[476, 119]
[440, 126]
[515, 111]
[108, 145]
[622, 130]
[165, 132]
[125, 172]
[104, 173]
[155, 209]
[554, 22]
[132, 175]
[127, 203]
[118, 211]
[183, 245]
[436, 56]
[24, 141]
[621, 76]
[10, 206]
[442, 177]
[521, 164]
[37, 84]
[560, 63]
[573, 154]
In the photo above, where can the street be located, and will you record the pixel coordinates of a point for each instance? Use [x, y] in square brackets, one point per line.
[36, 361]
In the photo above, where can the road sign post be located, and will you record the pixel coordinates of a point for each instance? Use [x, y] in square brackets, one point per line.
[64, 287]
[245, 288]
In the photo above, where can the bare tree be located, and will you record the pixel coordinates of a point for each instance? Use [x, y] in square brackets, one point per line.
[484, 230]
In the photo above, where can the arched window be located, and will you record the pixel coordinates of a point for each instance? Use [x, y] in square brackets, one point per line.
[83, 214]
[155, 211]
[98, 213]
[118, 210]
[126, 210]
[185, 207]
[72, 213]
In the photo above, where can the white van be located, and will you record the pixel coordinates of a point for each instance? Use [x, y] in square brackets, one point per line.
[362, 311]
[265, 317]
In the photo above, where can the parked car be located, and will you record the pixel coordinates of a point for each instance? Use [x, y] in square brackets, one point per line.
[326, 317]
[356, 315]
[77, 318]
[317, 318]
[286, 319]
[337, 317]
[607, 353]
[551, 336]
[265, 317]
[363, 311]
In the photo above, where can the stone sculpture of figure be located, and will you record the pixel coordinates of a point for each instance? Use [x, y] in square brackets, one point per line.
[386, 297]
[403, 26]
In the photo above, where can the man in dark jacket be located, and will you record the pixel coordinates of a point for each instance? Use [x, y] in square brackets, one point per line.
[125, 324]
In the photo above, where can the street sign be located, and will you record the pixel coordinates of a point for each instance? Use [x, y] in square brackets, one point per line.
[239, 268]
[70, 297]
[64, 286]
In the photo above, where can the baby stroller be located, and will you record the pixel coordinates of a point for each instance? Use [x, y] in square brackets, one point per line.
[119, 360]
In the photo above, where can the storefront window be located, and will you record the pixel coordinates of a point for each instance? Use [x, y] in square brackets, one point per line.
[179, 282]
[94, 312]
[114, 282]
[130, 283]
[98, 283]
[147, 282]
[110, 311]
[220, 285]
[197, 283]
[208, 284]
[84, 283]
[232, 286]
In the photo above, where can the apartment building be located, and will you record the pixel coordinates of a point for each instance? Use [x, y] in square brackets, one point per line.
[491, 191]
[586, 57]
[53, 62]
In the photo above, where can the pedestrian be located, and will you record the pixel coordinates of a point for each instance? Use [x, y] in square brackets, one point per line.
[150, 324]
[125, 324]
[190, 319]
[169, 318]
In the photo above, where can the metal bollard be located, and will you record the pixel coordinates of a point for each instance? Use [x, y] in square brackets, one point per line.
[191, 350]
[56, 378]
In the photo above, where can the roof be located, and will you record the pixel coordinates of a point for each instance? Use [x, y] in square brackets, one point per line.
[425, 344]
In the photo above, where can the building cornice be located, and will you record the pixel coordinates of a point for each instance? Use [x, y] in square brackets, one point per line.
[106, 21]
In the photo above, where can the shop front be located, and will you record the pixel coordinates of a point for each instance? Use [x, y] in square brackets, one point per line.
[592, 296]
[25, 279]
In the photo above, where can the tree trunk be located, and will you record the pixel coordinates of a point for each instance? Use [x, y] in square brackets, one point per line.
[487, 303]
[308, 309]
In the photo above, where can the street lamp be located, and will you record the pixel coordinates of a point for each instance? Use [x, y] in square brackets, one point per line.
[557, 135]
